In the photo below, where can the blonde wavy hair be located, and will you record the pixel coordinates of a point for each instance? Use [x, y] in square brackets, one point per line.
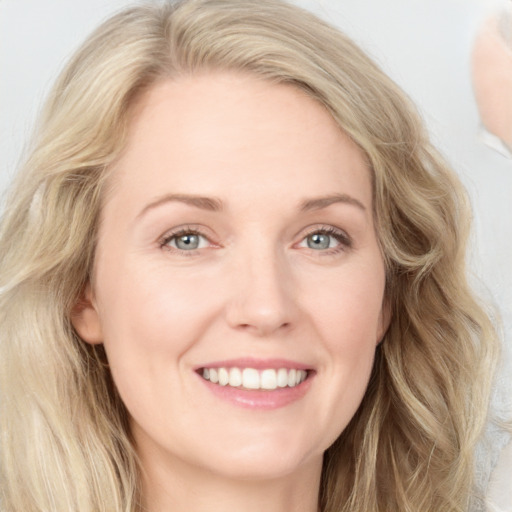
[65, 444]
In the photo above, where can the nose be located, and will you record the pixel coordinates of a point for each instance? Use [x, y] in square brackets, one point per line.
[262, 300]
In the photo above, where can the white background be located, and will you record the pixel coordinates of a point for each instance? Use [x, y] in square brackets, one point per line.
[424, 45]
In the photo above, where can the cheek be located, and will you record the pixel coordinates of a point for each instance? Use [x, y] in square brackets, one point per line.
[150, 322]
[346, 314]
[347, 305]
[349, 334]
[153, 310]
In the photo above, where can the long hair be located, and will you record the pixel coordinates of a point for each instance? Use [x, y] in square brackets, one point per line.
[65, 443]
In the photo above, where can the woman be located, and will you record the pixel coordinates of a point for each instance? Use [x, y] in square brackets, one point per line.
[233, 276]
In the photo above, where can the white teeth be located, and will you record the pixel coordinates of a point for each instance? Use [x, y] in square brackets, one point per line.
[250, 378]
[235, 377]
[268, 379]
[282, 377]
[223, 376]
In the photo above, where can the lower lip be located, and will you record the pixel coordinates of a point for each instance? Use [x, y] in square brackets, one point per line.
[259, 398]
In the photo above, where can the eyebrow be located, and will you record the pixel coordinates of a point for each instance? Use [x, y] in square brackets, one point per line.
[319, 203]
[214, 204]
[211, 204]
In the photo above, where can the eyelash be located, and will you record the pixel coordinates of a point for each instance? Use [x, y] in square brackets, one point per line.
[345, 242]
[164, 243]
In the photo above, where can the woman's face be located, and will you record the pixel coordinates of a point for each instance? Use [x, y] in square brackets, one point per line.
[237, 243]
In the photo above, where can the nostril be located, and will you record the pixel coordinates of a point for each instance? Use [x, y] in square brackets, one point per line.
[260, 313]
[260, 328]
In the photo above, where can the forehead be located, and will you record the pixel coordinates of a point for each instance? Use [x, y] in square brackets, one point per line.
[227, 134]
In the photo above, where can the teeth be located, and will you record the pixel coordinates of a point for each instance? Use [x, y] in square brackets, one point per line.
[268, 379]
[235, 377]
[223, 376]
[292, 374]
[282, 377]
[249, 378]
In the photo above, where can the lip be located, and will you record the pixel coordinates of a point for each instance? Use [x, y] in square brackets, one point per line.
[257, 364]
[258, 399]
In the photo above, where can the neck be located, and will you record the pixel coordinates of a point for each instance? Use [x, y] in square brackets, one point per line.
[193, 489]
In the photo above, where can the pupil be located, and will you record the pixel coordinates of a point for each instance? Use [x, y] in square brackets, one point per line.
[318, 241]
[188, 242]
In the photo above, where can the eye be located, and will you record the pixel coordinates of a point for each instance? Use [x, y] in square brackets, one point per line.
[326, 239]
[185, 240]
[320, 241]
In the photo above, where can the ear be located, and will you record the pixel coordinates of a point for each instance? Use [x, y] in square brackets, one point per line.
[384, 320]
[85, 318]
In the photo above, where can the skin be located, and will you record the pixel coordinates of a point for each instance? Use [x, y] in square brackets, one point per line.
[253, 288]
[492, 78]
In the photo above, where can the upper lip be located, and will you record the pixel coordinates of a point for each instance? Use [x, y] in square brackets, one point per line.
[257, 364]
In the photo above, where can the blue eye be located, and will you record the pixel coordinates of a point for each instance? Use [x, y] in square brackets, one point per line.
[325, 239]
[319, 241]
[185, 241]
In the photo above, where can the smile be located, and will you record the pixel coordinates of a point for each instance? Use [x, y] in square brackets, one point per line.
[253, 379]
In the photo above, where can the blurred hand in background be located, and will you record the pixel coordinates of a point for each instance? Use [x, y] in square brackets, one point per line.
[492, 75]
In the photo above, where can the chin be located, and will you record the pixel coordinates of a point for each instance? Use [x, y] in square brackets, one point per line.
[265, 466]
[260, 459]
